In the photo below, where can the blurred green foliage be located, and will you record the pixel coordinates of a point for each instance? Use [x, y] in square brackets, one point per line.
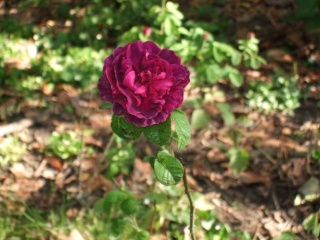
[70, 49]
[11, 150]
[130, 218]
[120, 158]
[287, 235]
[307, 11]
[35, 223]
[311, 223]
[280, 94]
[64, 145]
[193, 42]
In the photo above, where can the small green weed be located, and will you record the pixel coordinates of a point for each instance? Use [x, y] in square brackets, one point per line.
[130, 218]
[11, 150]
[33, 223]
[281, 94]
[78, 66]
[64, 145]
[120, 158]
[286, 236]
[120, 208]
[311, 223]
[316, 155]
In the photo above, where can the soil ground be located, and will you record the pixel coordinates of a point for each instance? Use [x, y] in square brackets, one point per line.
[259, 200]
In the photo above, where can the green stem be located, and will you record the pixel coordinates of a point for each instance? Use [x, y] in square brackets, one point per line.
[187, 191]
[107, 148]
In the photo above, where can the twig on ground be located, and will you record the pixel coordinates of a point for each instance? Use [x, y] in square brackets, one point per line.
[16, 126]
[106, 150]
[275, 200]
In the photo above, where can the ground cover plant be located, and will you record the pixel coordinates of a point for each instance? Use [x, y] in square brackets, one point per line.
[73, 168]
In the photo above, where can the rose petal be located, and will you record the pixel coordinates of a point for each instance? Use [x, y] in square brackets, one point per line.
[129, 80]
[105, 89]
[135, 53]
[181, 75]
[141, 91]
[151, 47]
[169, 56]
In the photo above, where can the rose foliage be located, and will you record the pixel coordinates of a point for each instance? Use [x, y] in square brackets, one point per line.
[143, 82]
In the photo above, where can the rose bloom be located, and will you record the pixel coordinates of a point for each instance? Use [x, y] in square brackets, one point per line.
[143, 82]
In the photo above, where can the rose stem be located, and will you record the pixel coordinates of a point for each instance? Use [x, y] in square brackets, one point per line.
[187, 192]
[186, 189]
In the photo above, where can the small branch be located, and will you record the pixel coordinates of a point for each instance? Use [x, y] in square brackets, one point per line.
[107, 148]
[186, 189]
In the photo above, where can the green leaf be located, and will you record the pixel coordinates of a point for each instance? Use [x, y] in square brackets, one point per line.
[168, 169]
[254, 63]
[226, 48]
[112, 198]
[286, 236]
[120, 226]
[316, 230]
[183, 31]
[213, 72]
[124, 129]
[173, 8]
[218, 55]
[236, 58]
[226, 113]
[129, 206]
[99, 205]
[236, 78]
[169, 26]
[142, 235]
[199, 119]
[159, 133]
[239, 159]
[151, 160]
[310, 188]
[311, 221]
[183, 129]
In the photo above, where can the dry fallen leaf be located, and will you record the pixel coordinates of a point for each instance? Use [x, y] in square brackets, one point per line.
[251, 177]
[54, 162]
[141, 171]
[100, 121]
[17, 63]
[19, 170]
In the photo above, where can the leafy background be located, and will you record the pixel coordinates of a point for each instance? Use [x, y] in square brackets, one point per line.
[253, 104]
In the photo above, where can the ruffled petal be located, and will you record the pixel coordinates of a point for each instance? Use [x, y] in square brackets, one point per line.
[181, 75]
[105, 89]
[135, 53]
[151, 47]
[169, 56]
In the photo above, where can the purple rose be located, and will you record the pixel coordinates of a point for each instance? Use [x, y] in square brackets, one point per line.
[143, 82]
